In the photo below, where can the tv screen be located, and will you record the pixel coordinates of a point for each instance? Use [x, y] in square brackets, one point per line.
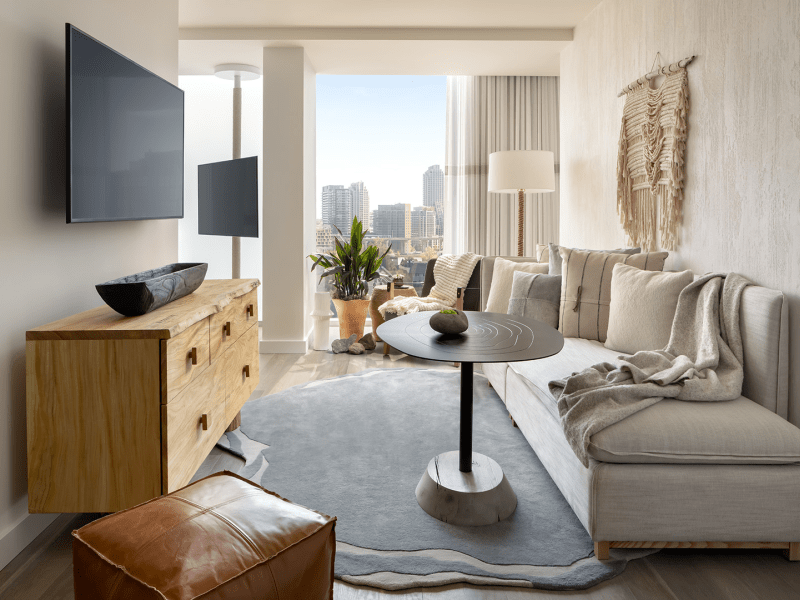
[227, 198]
[124, 137]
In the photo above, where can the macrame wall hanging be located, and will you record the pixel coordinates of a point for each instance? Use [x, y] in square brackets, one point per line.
[652, 141]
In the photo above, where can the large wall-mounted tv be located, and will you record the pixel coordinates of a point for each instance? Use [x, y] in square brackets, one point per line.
[124, 137]
[227, 198]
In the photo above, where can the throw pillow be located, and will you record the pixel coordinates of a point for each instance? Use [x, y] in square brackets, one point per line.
[554, 258]
[642, 307]
[542, 253]
[503, 277]
[536, 296]
[586, 288]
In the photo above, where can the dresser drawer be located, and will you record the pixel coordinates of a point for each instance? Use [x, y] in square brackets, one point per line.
[185, 442]
[228, 325]
[241, 367]
[187, 355]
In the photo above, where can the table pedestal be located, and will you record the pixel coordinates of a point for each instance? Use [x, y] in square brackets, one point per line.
[464, 487]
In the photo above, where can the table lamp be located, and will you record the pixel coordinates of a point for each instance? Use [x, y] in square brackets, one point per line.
[521, 171]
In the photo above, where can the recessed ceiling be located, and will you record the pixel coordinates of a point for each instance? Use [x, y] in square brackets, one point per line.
[363, 37]
[383, 13]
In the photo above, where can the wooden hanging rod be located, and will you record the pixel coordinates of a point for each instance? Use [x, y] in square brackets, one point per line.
[655, 73]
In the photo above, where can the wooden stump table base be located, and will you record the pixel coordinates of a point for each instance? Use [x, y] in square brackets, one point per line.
[480, 497]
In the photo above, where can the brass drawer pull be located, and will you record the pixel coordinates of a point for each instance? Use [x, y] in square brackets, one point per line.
[193, 356]
[246, 370]
[250, 309]
[227, 328]
[204, 421]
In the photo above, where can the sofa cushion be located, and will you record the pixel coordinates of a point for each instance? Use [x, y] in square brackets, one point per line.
[502, 280]
[586, 289]
[555, 262]
[642, 308]
[675, 431]
[671, 431]
[576, 355]
[536, 296]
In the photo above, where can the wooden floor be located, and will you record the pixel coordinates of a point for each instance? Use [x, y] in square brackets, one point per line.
[44, 570]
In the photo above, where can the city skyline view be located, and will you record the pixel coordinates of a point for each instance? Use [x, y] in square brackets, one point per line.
[383, 131]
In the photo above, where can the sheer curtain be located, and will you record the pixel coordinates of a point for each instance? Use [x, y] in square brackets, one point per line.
[486, 114]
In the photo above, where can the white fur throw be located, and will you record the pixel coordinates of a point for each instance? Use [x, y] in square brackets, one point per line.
[451, 271]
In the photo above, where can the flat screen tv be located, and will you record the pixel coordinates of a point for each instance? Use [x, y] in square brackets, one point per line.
[227, 198]
[124, 137]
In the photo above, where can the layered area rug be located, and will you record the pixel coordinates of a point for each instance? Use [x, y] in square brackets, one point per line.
[356, 446]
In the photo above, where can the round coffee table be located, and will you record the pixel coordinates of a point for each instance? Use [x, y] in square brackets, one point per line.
[465, 487]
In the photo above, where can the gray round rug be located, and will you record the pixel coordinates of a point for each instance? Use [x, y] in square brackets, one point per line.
[356, 446]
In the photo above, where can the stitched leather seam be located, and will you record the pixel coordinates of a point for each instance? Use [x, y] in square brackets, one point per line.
[210, 510]
[274, 585]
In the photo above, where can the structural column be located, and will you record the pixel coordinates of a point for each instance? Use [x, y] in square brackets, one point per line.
[289, 192]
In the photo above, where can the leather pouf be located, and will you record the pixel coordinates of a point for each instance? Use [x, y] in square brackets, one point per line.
[220, 538]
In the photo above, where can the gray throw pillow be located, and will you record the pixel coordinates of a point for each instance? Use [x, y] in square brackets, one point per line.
[536, 296]
[555, 257]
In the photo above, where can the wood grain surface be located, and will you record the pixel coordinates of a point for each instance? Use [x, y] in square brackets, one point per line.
[93, 424]
[168, 321]
[185, 444]
[237, 313]
[243, 356]
[180, 369]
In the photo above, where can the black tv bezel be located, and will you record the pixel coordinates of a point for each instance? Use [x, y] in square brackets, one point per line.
[69, 28]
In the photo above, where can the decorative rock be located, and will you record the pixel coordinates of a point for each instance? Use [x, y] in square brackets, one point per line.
[356, 348]
[449, 324]
[341, 346]
[368, 341]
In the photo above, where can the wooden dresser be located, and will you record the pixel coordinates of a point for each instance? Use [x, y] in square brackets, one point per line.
[123, 409]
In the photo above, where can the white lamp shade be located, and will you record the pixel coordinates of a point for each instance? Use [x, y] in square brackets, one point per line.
[529, 170]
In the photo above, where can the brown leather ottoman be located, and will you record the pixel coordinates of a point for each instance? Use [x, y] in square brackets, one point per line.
[220, 538]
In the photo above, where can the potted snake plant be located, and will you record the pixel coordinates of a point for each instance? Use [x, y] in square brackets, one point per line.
[352, 267]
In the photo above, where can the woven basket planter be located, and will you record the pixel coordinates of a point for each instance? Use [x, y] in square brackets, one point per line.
[352, 317]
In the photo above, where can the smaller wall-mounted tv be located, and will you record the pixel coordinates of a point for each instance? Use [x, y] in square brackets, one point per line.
[227, 198]
[124, 137]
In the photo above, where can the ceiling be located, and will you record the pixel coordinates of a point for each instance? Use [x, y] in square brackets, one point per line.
[387, 37]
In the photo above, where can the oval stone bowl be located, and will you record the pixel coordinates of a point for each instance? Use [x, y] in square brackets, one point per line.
[449, 324]
[144, 292]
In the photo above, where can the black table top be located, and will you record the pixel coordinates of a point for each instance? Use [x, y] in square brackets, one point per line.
[491, 337]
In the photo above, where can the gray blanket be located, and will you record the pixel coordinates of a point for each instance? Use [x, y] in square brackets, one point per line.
[702, 362]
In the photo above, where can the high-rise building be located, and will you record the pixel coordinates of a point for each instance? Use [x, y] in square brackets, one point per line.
[337, 209]
[423, 222]
[359, 198]
[392, 221]
[433, 193]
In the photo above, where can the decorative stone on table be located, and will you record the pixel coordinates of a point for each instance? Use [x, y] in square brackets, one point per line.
[449, 321]
[368, 341]
[356, 348]
[341, 346]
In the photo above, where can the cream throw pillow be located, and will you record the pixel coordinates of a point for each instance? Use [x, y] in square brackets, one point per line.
[586, 288]
[503, 278]
[642, 308]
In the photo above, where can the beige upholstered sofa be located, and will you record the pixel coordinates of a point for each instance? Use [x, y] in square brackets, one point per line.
[678, 474]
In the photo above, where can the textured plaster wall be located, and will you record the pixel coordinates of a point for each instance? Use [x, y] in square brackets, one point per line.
[742, 207]
[49, 268]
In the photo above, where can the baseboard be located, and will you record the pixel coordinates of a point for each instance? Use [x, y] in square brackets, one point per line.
[285, 346]
[16, 540]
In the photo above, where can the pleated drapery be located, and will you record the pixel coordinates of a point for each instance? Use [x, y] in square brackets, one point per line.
[484, 115]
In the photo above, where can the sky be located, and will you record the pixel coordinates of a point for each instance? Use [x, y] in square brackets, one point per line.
[384, 130]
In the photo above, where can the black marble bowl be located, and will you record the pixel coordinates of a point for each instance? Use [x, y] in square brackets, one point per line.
[449, 324]
[143, 292]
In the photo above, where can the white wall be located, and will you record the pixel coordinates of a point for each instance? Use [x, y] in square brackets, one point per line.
[742, 206]
[289, 183]
[209, 116]
[49, 268]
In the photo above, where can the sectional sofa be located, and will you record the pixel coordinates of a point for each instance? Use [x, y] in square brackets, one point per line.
[678, 474]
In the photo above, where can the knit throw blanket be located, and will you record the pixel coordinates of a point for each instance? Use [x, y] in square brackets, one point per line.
[451, 271]
[702, 362]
